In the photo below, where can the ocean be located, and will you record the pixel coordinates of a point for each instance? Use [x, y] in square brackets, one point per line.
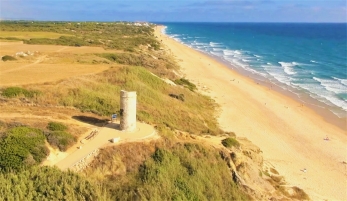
[307, 59]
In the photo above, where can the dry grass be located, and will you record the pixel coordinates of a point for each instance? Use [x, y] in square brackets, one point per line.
[115, 161]
[29, 35]
[41, 73]
[12, 48]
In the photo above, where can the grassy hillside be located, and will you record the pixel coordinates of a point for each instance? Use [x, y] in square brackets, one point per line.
[165, 170]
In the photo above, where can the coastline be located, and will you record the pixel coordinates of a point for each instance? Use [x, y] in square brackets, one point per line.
[289, 134]
[332, 114]
[306, 100]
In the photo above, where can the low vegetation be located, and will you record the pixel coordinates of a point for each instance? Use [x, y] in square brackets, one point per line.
[61, 139]
[161, 67]
[56, 126]
[58, 137]
[154, 105]
[186, 83]
[11, 92]
[62, 40]
[21, 147]
[8, 58]
[170, 172]
[19, 35]
[230, 142]
[47, 183]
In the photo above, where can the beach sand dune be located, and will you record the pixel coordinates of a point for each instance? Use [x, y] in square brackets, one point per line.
[290, 135]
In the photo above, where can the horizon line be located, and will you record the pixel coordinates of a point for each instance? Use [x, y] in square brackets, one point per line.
[307, 22]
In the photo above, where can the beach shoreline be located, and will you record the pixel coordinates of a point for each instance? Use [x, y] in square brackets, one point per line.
[306, 100]
[322, 109]
[289, 134]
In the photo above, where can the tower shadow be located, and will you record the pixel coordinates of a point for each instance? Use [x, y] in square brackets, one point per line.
[91, 120]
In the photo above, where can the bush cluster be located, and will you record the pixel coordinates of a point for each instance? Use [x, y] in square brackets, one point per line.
[22, 146]
[47, 183]
[8, 58]
[56, 126]
[186, 83]
[58, 137]
[230, 142]
[11, 92]
[62, 40]
[61, 139]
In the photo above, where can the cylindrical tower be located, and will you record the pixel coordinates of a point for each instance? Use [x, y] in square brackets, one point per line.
[127, 110]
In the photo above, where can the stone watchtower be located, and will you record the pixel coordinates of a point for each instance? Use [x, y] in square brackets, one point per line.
[127, 110]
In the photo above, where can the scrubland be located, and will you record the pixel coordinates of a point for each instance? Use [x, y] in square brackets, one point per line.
[53, 113]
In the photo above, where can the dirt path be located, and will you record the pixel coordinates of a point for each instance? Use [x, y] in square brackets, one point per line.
[105, 134]
[39, 60]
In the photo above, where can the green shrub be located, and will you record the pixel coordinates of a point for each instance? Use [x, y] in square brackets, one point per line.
[11, 92]
[124, 58]
[230, 142]
[62, 40]
[22, 146]
[61, 140]
[49, 183]
[182, 172]
[186, 83]
[8, 58]
[11, 38]
[56, 126]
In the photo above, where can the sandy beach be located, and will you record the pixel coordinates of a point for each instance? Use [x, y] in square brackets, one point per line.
[290, 135]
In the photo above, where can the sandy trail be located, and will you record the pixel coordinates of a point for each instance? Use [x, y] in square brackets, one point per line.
[289, 134]
[105, 134]
[39, 60]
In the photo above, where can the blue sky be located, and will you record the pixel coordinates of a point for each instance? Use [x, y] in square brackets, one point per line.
[178, 10]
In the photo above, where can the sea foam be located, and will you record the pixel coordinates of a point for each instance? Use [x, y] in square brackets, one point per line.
[342, 81]
[332, 85]
[288, 67]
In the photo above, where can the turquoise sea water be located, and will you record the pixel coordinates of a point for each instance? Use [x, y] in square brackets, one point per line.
[307, 59]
